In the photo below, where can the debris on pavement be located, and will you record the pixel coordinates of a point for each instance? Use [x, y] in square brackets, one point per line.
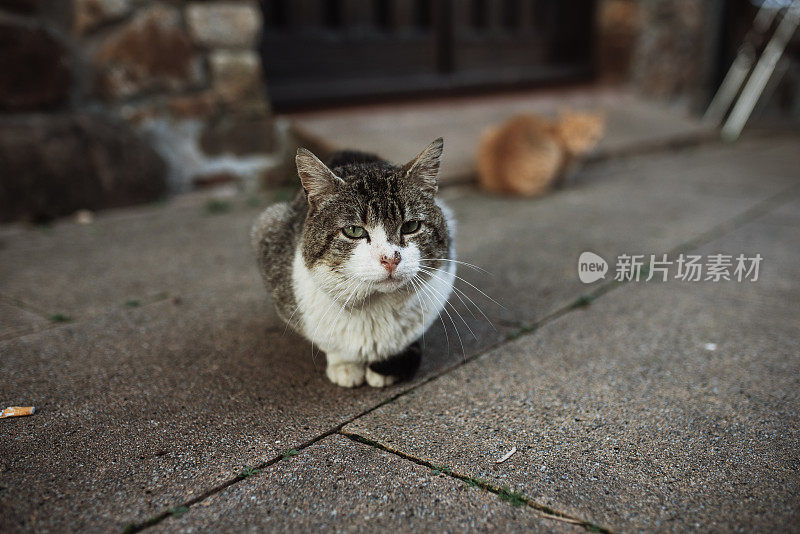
[17, 411]
[506, 456]
[561, 518]
[84, 217]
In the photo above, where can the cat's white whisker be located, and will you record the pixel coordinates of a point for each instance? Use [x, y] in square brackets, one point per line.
[339, 290]
[289, 320]
[455, 327]
[454, 308]
[459, 262]
[431, 273]
[327, 310]
[423, 291]
[422, 312]
[344, 306]
[460, 292]
[472, 286]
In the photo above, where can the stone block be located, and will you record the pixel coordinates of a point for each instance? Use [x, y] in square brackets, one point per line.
[55, 165]
[217, 24]
[34, 67]
[195, 105]
[89, 14]
[671, 55]
[236, 76]
[20, 6]
[240, 135]
[151, 52]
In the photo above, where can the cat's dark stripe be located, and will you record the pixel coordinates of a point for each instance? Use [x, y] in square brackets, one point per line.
[403, 365]
[346, 157]
[320, 252]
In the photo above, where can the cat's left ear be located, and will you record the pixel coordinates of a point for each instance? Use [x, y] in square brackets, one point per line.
[424, 169]
[317, 179]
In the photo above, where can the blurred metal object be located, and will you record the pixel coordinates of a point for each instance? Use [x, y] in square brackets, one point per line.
[741, 66]
[761, 73]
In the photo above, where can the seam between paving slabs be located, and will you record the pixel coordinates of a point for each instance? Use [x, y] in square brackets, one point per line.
[505, 494]
[61, 320]
[715, 232]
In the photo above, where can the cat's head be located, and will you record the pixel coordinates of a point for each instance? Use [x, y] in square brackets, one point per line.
[372, 226]
[580, 130]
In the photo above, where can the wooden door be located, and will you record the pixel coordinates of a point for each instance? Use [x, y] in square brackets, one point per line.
[322, 51]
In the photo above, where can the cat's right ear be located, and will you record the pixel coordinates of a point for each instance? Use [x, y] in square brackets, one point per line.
[317, 179]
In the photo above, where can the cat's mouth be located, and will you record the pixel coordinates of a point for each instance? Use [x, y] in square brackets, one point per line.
[390, 283]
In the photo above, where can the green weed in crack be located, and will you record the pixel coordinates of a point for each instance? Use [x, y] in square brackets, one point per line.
[442, 470]
[582, 301]
[177, 511]
[365, 441]
[249, 472]
[289, 453]
[514, 498]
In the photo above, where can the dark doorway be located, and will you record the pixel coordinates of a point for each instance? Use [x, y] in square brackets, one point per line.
[324, 51]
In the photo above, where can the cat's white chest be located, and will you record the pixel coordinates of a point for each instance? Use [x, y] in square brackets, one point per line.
[381, 327]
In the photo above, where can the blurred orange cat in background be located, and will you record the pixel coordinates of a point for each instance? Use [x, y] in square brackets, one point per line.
[528, 155]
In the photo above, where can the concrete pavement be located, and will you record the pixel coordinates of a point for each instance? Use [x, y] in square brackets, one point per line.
[169, 397]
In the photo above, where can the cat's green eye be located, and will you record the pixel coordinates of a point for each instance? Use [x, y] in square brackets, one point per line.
[409, 227]
[354, 232]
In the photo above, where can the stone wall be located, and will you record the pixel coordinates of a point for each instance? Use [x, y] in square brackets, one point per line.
[184, 75]
[674, 58]
[665, 49]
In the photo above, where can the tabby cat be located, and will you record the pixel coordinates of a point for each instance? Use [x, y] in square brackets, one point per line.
[361, 262]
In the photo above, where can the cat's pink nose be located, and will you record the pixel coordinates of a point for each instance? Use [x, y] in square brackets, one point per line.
[390, 262]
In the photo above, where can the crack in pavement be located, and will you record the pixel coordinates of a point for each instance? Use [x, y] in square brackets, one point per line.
[503, 493]
[749, 215]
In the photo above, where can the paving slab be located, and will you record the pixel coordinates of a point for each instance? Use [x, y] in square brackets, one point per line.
[772, 236]
[623, 414]
[15, 321]
[341, 486]
[129, 256]
[647, 205]
[399, 132]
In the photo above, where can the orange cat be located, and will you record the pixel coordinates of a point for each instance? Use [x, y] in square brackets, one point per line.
[528, 155]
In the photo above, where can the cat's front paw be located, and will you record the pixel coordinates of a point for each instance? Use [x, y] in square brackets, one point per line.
[377, 380]
[347, 375]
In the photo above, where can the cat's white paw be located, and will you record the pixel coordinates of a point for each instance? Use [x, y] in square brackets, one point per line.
[347, 375]
[378, 380]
